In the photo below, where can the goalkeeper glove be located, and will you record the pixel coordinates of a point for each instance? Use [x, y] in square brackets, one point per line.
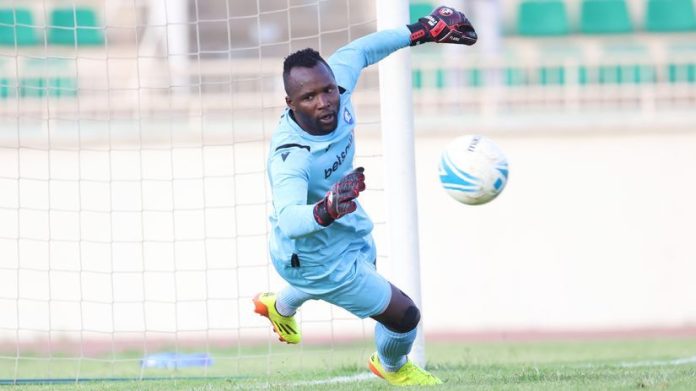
[340, 199]
[443, 25]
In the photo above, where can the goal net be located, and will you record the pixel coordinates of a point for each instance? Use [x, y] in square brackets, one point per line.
[133, 195]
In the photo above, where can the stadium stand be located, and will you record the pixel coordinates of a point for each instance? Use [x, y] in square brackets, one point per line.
[70, 26]
[552, 43]
[680, 73]
[670, 15]
[604, 17]
[17, 27]
[548, 17]
[417, 9]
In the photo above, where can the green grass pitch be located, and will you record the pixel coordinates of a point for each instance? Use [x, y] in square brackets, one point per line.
[652, 364]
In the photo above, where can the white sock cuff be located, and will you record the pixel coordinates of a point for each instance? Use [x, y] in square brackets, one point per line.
[289, 299]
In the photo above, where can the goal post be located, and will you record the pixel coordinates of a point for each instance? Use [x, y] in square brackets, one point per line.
[396, 113]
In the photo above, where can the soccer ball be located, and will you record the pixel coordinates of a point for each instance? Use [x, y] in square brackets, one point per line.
[473, 170]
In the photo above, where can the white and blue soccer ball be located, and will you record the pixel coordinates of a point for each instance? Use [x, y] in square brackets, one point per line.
[473, 169]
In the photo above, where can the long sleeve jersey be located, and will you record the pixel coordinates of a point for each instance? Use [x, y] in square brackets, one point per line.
[302, 167]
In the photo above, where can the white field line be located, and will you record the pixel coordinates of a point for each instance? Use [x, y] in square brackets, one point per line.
[360, 377]
[659, 363]
[335, 380]
[638, 364]
[624, 364]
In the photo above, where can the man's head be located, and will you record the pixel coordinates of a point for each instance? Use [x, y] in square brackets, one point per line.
[311, 91]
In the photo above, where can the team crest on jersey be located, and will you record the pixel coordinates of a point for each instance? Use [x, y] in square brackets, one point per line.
[445, 11]
[347, 116]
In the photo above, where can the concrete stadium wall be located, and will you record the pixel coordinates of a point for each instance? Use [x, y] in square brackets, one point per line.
[593, 232]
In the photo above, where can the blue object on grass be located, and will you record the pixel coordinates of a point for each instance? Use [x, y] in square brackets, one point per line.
[176, 360]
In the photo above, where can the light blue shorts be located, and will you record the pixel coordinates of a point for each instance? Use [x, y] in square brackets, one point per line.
[353, 283]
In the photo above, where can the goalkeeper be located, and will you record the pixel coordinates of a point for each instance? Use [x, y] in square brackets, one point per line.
[321, 241]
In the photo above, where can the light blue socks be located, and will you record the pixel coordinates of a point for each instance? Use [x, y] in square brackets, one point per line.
[393, 347]
[289, 299]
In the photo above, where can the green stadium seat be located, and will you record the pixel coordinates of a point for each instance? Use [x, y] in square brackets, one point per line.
[682, 73]
[608, 74]
[6, 88]
[639, 74]
[17, 27]
[62, 86]
[670, 15]
[604, 17]
[583, 75]
[515, 77]
[417, 79]
[68, 24]
[32, 87]
[419, 9]
[551, 76]
[440, 79]
[475, 78]
[542, 17]
[436, 77]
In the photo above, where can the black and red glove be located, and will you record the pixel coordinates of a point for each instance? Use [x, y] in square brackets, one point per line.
[340, 199]
[443, 25]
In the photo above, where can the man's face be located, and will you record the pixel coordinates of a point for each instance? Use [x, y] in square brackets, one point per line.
[313, 98]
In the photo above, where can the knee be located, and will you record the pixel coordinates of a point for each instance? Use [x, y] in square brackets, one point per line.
[408, 321]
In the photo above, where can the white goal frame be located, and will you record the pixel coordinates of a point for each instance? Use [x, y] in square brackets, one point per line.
[396, 111]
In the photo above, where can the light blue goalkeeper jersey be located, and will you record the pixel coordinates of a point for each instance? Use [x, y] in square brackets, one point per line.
[302, 168]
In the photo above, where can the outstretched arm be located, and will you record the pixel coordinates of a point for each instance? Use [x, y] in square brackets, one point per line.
[348, 61]
[443, 25]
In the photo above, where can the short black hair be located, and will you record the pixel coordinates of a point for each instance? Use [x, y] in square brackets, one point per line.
[305, 58]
